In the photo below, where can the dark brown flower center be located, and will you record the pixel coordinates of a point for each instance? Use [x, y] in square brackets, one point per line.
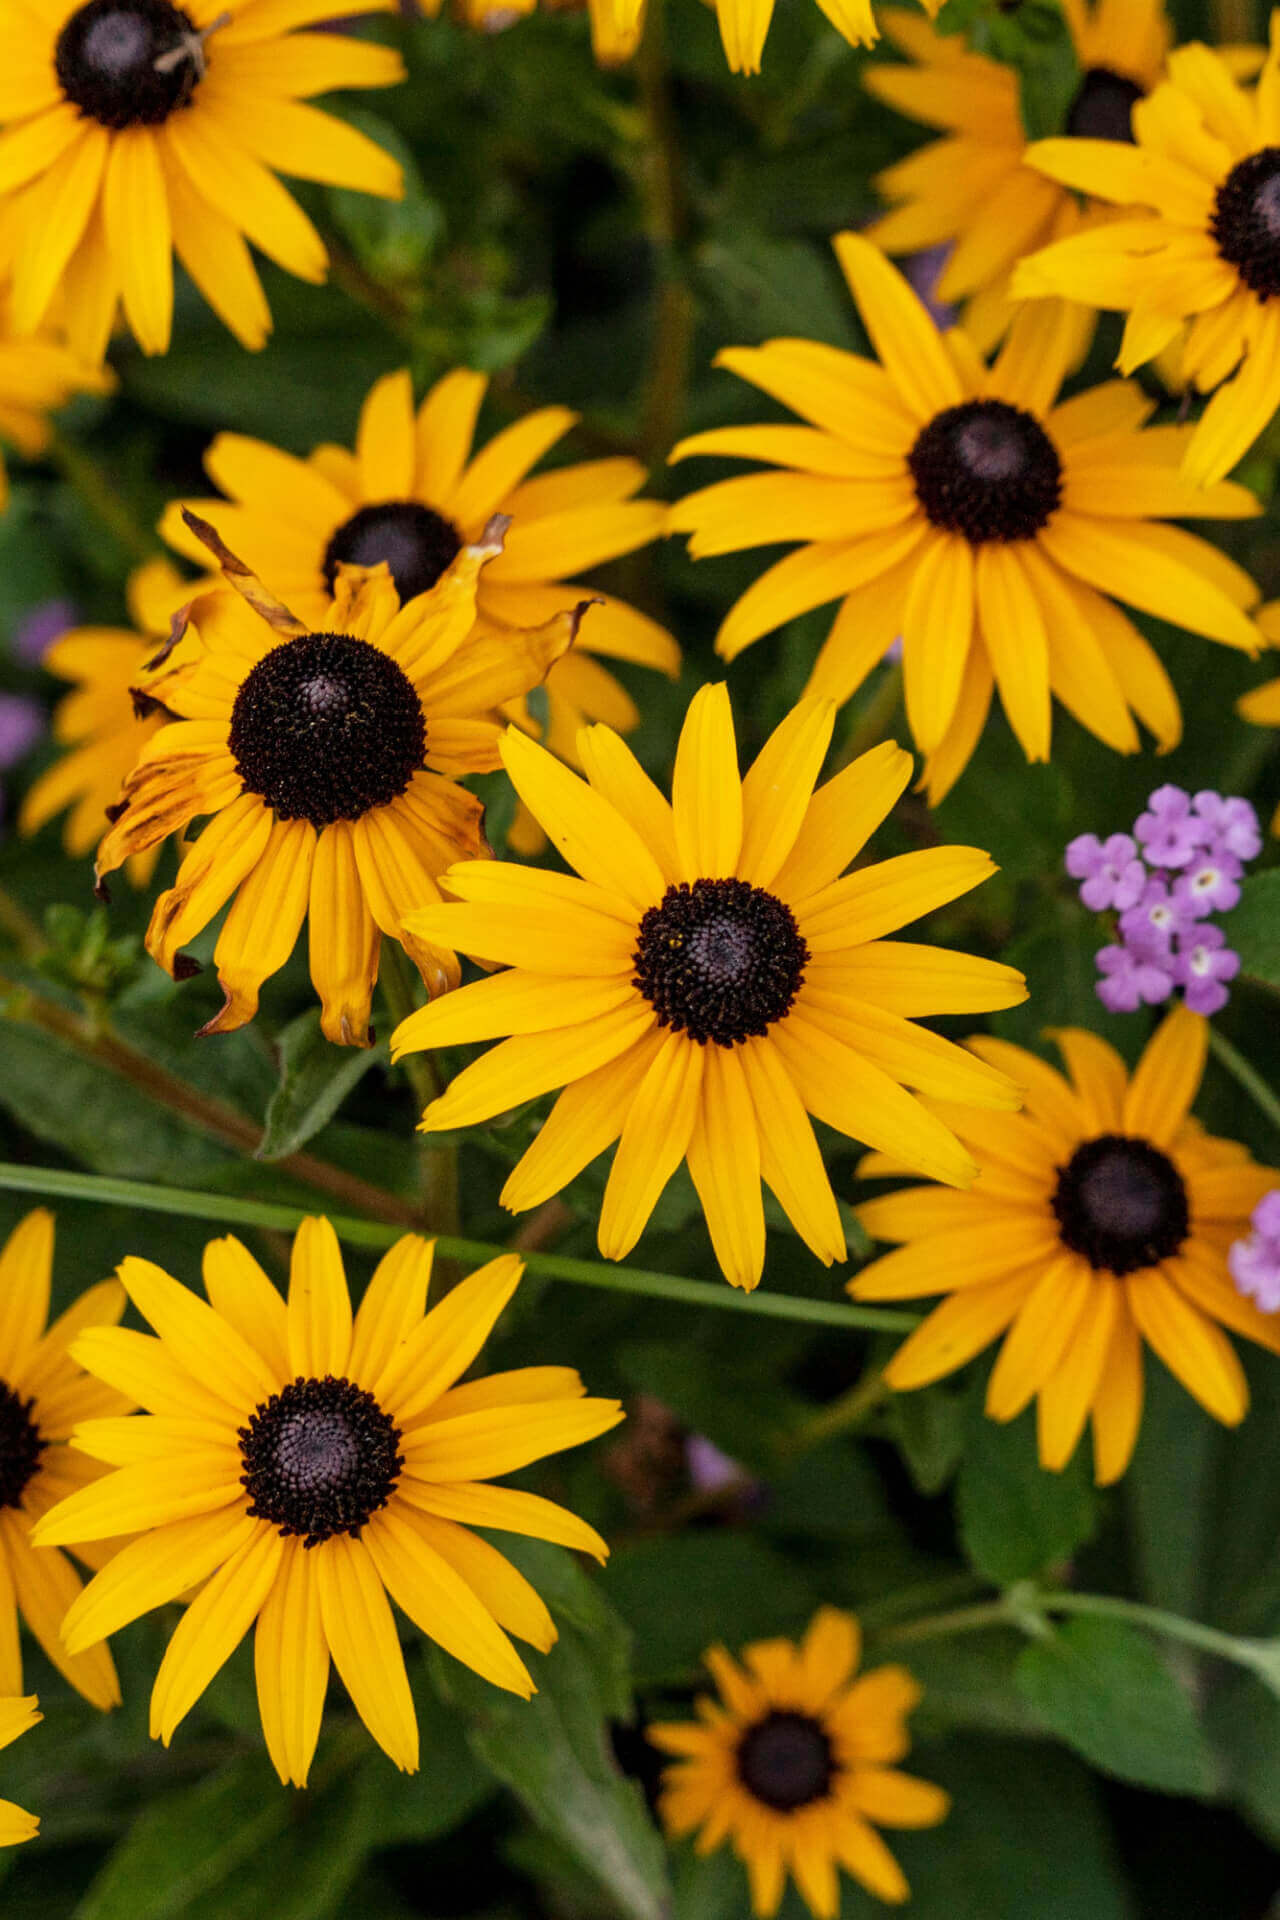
[1246, 221]
[20, 1446]
[719, 960]
[1121, 1203]
[785, 1761]
[325, 728]
[1103, 106]
[988, 471]
[320, 1458]
[417, 544]
[129, 63]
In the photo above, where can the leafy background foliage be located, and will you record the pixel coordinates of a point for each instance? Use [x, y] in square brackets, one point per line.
[593, 239]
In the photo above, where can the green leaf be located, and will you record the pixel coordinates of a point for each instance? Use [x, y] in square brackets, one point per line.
[1016, 1520]
[315, 1079]
[1048, 68]
[929, 1426]
[731, 1588]
[1253, 928]
[1103, 1688]
[553, 1751]
[393, 240]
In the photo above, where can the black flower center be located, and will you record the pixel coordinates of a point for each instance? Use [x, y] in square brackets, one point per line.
[986, 470]
[320, 1457]
[719, 960]
[786, 1761]
[326, 727]
[20, 1446]
[416, 543]
[129, 63]
[1122, 1204]
[1103, 106]
[1246, 221]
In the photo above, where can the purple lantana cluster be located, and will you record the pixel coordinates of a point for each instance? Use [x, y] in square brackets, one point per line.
[1164, 881]
[1255, 1262]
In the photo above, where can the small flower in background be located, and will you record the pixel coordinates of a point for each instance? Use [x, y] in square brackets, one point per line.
[22, 721]
[1198, 845]
[1255, 1260]
[17, 1717]
[41, 627]
[304, 1464]
[793, 1765]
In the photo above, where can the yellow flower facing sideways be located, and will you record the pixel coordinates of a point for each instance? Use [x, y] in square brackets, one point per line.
[300, 1465]
[744, 25]
[1101, 1220]
[413, 492]
[1198, 243]
[16, 1718]
[328, 754]
[705, 980]
[134, 129]
[794, 1764]
[100, 726]
[972, 189]
[616, 25]
[43, 1394]
[967, 510]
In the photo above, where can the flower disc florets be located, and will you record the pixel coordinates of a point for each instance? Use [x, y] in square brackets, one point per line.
[785, 1761]
[1103, 106]
[1122, 1204]
[320, 1458]
[418, 545]
[988, 471]
[719, 960]
[325, 728]
[1246, 221]
[20, 1446]
[128, 63]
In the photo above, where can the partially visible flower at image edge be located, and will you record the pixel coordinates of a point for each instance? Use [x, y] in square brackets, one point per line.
[706, 979]
[794, 1765]
[300, 1465]
[744, 24]
[1102, 1220]
[17, 1716]
[1255, 1260]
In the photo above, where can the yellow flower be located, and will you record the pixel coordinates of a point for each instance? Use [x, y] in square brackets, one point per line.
[613, 39]
[413, 492]
[959, 507]
[43, 1394]
[130, 129]
[1262, 704]
[1101, 1219]
[17, 1717]
[745, 23]
[1197, 242]
[708, 978]
[329, 760]
[972, 188]
[301, 1466]
[37, 375]
[794, 1765]
[100, 724]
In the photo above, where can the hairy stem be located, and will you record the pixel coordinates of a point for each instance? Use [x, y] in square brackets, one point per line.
[1248, 1077]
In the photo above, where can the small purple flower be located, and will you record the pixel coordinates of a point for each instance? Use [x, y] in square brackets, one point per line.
[22, 722]
[1113, 876]
[1203, 961]
[1209, 885]
[1169, 831]
[1132, 978]
[1233, 825]
[923, 271]
[41, 627]
[1156, 919]
[1255, 1262]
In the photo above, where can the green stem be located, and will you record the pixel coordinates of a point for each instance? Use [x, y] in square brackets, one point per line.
[1226, 1646]
[21, 928]
[938, 1626]
[104, 501]
[233, 1210]
[661, 179]
[843, 1415]
[1266, 1101]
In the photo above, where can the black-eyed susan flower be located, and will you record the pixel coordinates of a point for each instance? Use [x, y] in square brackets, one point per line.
[327, 754]
[413, 493]
[1199, 242]
[43, 1393]
[16, 1718]
[959, 507]
[613, 38]
[794, 1765]
[1261, 705]
[972, 190]
[134, 129]
[706, 980]
[38, 374]
[301, 1465]
[744, 24]
[98, 724]
[1101, 1220]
